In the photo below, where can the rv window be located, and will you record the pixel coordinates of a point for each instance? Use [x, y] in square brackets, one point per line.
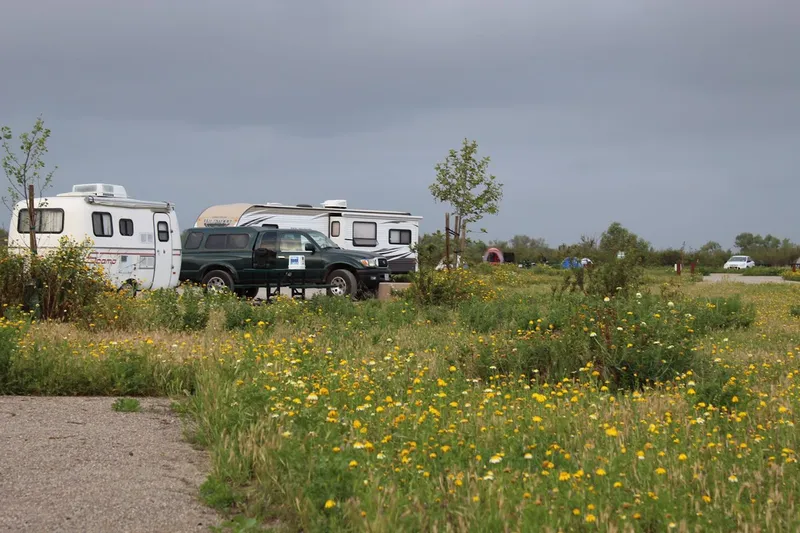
[126, 227]
[238, 241]
[47, 221]
[270, 226]
[399, 236]
[365, 234]
[102, 225]
[216, 242]
[163, 231]
[335, 228]
[193, 240]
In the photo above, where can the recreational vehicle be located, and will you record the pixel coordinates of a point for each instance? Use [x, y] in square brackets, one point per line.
[136, 241]
[390, 234]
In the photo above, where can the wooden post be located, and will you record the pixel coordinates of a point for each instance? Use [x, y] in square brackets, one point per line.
[457, 241]
[463, 233]
[447, 241]
[32, 219]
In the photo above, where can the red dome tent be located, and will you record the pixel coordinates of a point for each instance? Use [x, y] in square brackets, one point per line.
[493, 256]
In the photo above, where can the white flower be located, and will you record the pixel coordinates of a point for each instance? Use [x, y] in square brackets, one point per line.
[638, 294]
[670, 304]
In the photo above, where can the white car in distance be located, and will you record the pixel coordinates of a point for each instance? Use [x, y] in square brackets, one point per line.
[739, 262]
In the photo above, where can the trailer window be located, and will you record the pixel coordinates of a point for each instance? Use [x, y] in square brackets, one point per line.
[399, 236]
[163, 231]
[126, 227]
[336, 228]
[102, 224]
[365, 234]
[193, 240]
[47, 221]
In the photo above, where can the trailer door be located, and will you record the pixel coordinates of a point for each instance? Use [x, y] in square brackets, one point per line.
[163, 249]
[336, 229]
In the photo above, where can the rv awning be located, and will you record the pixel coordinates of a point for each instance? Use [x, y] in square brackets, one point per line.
[131, 203]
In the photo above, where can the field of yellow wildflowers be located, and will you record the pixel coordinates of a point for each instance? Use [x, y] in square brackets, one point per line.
[511, 409]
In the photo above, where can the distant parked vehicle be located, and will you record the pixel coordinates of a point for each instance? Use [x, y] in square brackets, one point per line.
[739, 262]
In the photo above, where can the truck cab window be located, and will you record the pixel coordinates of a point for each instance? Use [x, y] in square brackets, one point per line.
[268, 241]
[294, 242]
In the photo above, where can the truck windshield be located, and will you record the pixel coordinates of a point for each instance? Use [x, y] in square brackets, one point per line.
[322, 240]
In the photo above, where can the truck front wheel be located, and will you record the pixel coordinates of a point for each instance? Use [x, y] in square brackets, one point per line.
[218, 280]
[342, 283]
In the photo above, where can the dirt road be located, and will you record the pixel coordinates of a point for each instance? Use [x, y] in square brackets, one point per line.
[74, 464]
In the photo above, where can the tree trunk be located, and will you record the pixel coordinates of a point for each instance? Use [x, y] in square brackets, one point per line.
[32, 219]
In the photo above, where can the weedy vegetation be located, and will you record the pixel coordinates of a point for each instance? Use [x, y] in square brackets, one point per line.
[488, 399]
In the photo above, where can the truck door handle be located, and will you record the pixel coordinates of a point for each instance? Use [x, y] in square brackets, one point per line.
[281, 257]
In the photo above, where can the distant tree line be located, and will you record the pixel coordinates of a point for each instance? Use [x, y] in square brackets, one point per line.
[768, 250]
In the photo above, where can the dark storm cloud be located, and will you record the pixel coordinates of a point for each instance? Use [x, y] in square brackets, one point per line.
[325, 67]
[614, 110]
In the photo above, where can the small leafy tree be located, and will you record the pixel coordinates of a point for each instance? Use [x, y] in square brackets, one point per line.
[25, 168]
[463, 182]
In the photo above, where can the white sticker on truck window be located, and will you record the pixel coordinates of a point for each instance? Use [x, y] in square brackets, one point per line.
[297, 262]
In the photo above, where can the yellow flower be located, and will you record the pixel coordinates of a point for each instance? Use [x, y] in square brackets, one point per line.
[612, 432]
[330, 504]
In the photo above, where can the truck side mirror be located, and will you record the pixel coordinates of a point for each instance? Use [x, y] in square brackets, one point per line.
[309, 247]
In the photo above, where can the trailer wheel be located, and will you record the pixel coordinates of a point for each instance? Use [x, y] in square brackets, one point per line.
[129, 288]
[218, 280]
[343, 283]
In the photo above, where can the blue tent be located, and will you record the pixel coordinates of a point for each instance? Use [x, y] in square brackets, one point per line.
[571, 262]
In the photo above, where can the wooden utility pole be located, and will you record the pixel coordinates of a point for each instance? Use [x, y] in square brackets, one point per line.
[32, 219]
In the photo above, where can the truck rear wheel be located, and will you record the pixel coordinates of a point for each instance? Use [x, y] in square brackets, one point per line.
[218, 280]
[343, 283]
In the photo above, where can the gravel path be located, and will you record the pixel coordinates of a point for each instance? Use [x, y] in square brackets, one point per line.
[75, 464]
[714, 278]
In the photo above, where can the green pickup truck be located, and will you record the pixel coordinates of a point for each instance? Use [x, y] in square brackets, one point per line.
[245, 259]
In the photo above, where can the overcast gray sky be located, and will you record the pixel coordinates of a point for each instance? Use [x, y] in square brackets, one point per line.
[680, 119]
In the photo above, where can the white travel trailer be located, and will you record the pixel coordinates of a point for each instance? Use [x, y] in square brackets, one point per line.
[387, 233]
[136, 241]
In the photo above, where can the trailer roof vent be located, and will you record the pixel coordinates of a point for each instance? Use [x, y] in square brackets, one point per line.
[304, 205]
[100, 189]
[338, 204]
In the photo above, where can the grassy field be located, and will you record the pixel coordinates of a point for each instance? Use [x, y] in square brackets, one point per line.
[514, 409]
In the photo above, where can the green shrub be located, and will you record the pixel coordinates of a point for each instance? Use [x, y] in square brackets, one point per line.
[9, 338]
[447, 287]
[764, 271]
[58, 285]
[790, 275]
[629, 342]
